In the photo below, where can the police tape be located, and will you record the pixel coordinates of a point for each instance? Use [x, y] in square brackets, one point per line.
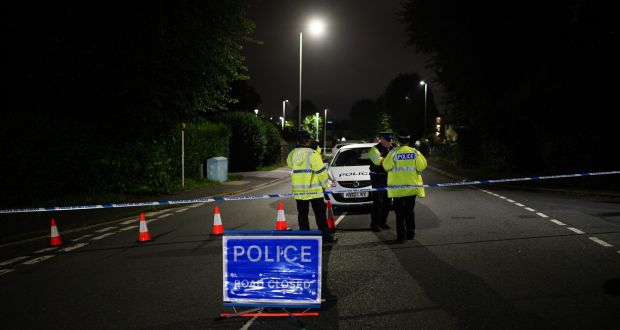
[268, 196]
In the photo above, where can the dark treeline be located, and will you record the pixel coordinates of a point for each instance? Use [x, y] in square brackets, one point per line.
[529, 85]
[96, 91]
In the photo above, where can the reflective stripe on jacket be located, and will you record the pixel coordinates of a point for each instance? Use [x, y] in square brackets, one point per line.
[404, 166]
[309, 173]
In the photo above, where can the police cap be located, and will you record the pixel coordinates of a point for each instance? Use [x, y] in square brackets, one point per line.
[386, 135]
[403, 135]
[303, 135]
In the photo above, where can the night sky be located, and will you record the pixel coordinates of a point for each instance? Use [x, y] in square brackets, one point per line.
[363, 49]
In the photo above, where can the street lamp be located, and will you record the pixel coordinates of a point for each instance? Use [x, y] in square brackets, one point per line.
[256, 111]
[425, 88]
[317, 125]
[283, 112]
[325, 132]
[316, 27]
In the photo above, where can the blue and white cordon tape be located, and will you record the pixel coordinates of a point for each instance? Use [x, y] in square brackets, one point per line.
[250, 197]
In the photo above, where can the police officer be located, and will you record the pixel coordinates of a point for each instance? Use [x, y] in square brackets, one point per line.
[404, 166]
[378, 179]
[308, 178]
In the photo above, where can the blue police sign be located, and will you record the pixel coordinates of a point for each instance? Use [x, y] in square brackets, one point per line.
[272, 268]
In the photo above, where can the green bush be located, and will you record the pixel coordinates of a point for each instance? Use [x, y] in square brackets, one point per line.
[274, 141]
[248, 142]
[204, 140]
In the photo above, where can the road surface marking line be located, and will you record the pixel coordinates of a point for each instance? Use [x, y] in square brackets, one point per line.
[558, 222]
[340, 218]
[575, 230]
[502, 197]
[152, 220]
[73, 247]
[82, 237]
[530, 209]
[248, 324]
[165, 215]
[600, 242]
[8, 262]
[105, 229]
[46, 249]
[128, 221]
[510, 200]
[542, 215]
[39, 259]
[181, 210]
[519, 204]
[102, 236]
[128, 228]
[4, 271]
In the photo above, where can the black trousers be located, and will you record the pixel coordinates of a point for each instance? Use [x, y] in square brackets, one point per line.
[405, 217]
[318, 206]
[380, 208]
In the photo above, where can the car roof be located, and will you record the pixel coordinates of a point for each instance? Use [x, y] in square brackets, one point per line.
[357, 145]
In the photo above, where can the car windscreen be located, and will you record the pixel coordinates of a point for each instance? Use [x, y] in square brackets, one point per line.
[352, 157]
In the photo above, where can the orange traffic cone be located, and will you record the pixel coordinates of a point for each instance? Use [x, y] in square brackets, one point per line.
[331, 223]
[55, 239]
[218, 228]
[281, 221]
[144, 231]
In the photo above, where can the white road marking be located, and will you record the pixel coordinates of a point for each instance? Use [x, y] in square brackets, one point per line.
[4, 271]
[519, 204]
[502, 197]
[105, 229]
[73, 247]
[600, 241]
[558, 222]
[82, 237]
[247, 325]
[102, 236]
[10, 261]
[340, 218]
[575, 230]
[128, 228]
[46, 249]
[182, 210]
[509, 200]
[39, 259]
[530, 209]
[165, 215]
[128, 221]
[542, 215]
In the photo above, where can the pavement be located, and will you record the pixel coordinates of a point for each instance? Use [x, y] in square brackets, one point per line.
[33, 226]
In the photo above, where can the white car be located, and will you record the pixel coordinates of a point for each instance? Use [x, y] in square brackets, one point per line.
[349, 169]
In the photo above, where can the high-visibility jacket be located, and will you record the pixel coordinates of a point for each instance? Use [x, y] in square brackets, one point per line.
[404, 166]
[309, 173]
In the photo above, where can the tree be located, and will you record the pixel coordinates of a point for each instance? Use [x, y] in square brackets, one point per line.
[308, 108]
[517, 79]
[313, 124]
[365, 119]
[244, 97]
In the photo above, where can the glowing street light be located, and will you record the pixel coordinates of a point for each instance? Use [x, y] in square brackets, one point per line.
[422, 83]
[325, 132]
[317, 126]
[283, 112]
[317, 28]
[256, 111]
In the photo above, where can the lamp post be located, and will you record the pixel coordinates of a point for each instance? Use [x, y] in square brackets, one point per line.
[283, 112]
[282, 121]
[317, 27]
[425, 88]
[325, 131]
[316, 115]
[256, 111]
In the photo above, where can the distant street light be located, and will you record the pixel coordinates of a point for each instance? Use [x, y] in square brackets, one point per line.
[316, 27]
[256, 111]
[282, 120]
[425, 88]
[317, 125]
[283, 112]
[325, 132]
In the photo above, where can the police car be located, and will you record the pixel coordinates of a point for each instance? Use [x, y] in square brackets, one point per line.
[349, 170]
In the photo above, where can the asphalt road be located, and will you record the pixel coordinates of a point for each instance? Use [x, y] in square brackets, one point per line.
[482, 258]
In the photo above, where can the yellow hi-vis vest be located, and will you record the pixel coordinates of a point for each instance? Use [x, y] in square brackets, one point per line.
[404, 166]
[309, 173]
